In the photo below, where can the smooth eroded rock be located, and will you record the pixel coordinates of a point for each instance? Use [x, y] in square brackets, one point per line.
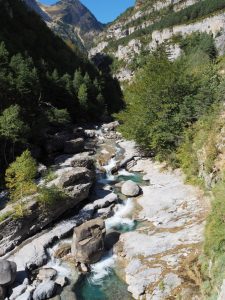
[88, 241]
[46, 274]
[45, 290]
[82, 160]
[7, 272]
[130, 189]
[72, 177]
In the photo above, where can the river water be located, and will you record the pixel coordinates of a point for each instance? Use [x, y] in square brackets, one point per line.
[104, 282]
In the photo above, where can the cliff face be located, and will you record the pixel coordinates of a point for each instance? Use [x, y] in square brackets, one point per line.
[69, 19]
[150, 23]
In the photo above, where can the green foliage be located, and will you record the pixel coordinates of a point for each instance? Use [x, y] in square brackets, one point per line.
[49, 197]
[20, 176]
[83, 96]
[5, 216]
[12, 127]
[213, 260]
[199, 42]
[42, 75]
[49, 175]
[58, 116]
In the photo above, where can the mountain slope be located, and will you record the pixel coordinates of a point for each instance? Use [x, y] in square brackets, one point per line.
[44, 82]
[69, 19]
[150, 23]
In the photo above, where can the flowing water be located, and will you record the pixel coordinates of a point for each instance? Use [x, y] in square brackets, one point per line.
[103, 282]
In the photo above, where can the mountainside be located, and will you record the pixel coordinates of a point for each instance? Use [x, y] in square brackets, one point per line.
[148, 24]
[44, 81]
[71, 20]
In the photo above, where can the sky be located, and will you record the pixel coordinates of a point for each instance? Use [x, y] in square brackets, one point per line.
[104, 10]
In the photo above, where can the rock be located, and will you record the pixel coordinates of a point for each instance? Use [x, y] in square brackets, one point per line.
[83, 268]
[45, 290]
[105, 213]
[62, 281]
[130, 189]
[90, 133]
[74, 146]
[2, 293]
[7, 272]
[17, 291]
[25, 296]
[88, 241]
[110, 126]
[62, 251]
[82, 160]
[54, 145]
[71, 177]
[78, 131]
[106, 201]
[41, 169]
[111, 239]
[46, 274]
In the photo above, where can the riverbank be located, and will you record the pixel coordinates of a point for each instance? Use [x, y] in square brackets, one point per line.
[161, 253]
[158, 234]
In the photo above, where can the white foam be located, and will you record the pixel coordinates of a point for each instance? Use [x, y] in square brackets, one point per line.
[120, 216]
[124, 172]
[109, 167]
[56, 263]
[102, 268]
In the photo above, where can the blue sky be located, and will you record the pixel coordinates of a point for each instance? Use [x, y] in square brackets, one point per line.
[104, 10]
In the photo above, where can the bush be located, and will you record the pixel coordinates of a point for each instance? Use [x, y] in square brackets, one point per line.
[49, 196]
[20, 176]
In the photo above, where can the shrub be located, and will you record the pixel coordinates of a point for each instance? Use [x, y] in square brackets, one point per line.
[20, 176]
[49, 196]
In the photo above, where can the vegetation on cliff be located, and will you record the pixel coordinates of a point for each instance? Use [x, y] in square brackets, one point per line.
[44, 83]
[176, 110]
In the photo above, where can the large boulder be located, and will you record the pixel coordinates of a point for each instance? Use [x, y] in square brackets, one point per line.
[45, 290]
[88, 241]
[7, 272]
[46, 273]
[17, 291]
[25, 296]
[74, 146]
[74, 176]
[130, 189]
[82, 160]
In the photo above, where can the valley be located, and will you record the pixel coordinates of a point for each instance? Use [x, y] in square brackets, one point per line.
[112, 151]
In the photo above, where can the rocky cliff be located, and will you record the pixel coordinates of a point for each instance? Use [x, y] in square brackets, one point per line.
[150, 23]
[69, 19]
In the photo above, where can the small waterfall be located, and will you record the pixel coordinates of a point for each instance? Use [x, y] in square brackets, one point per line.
[56, 263]
[102, 268]
[120, 219]
[109, 167]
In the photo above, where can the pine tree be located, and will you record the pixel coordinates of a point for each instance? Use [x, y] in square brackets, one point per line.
[78, 80]
[12, 128]
[83, 96]
[20, 176]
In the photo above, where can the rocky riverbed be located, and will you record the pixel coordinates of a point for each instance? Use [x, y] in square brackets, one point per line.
[146, 228]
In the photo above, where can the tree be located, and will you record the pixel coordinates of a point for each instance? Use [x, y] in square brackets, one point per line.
[78, 80]
[25, 75]
[20, 176]
[12, 127]
[83, 96]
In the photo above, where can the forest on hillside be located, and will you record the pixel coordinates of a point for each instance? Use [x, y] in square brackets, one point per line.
[44, 83]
